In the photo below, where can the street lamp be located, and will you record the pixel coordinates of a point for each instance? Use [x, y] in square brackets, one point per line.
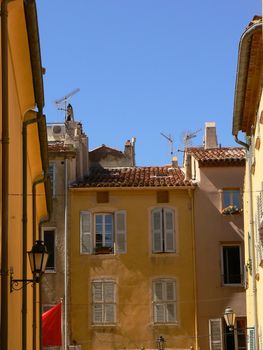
[38, 259]
[160, 342]
[230, 317]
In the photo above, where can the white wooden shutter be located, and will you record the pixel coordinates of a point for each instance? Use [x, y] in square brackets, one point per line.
[251, 339]
[109, 292]
[97, 292]
[170, 295]
[97, 313]
[109, 313]
[157, 224]
[158, 291]
[215, 334]
[159, 313]
[120, 232]
[169, 230]
[158, 295]
[171, 312]
[85, 233]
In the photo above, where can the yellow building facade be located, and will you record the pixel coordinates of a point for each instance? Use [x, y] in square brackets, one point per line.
[248, 119]
[24, 163]
[132, 267]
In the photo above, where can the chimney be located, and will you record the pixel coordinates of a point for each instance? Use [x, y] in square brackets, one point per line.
[174, 162]
[129, 150]
[188, 167]
[210, 139]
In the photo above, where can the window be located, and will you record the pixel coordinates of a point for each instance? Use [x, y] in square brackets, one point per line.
[52, 176]
[49, 239]
[163, 230]
[231, 197]
[101, 233]
[215, 334]
[104, 302]
[164, 301]
[231, 264]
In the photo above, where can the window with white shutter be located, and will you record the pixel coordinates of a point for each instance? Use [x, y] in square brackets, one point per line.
[104, 302]
[85, 233]
[163, 230]
[120, 232]
[215, 334]
[101, 233]
[164, 301]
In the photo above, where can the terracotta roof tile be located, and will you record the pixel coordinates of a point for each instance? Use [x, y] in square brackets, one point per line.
[134, 177]
[59, 146]
[216, 156]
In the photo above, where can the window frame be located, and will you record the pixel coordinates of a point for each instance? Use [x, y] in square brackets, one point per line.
[231, 191]
[225, 245]
[103, 302]
[164, 302]
[50, 229]
[164, 231]
[88, 237]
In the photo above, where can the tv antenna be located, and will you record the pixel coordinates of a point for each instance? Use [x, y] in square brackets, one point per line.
[188, 136]
[171, 142]
[62, 102]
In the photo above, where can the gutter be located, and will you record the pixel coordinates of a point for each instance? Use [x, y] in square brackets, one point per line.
[242, 75]
[5, 178]
[37, 76]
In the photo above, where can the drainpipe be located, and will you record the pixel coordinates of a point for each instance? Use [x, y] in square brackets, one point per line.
[26, 123]
[244, 144]
[65, 256]
[38, 181]
[191, 196]
[40, 287]
[252, 233]
[5, 180]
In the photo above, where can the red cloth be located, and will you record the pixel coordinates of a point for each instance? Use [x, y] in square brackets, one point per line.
[51, 327]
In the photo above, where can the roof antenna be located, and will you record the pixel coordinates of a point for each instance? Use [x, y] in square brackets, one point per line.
[171, 142]
[62, 104]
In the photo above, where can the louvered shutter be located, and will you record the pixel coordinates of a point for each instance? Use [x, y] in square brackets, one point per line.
[157, 239]
[170, 296]
[109, 313]
[109, 292]
[159, 308]
[171, 312]
[109, 298]
[169, 230]
[98, 313]
[85, 233]
[97, 298]
[97, 292]
[159, 313]
[120, 232]
[251, 339]
[215, 334]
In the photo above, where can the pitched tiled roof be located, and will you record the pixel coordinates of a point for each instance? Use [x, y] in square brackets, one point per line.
[218, 156]
[60, 147]
[164, 176]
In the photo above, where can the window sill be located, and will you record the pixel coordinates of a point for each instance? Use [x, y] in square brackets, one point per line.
[106, 325]
[50, 271]
[103, 250]
[165, 324]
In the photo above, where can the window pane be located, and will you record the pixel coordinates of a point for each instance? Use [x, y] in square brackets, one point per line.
[236, 198]
[226, 199]
[49, 239]
[231, 264]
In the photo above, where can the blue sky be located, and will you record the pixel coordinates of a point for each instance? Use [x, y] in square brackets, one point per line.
[144, 67]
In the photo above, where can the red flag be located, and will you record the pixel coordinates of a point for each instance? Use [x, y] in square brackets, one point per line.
[51, 326]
